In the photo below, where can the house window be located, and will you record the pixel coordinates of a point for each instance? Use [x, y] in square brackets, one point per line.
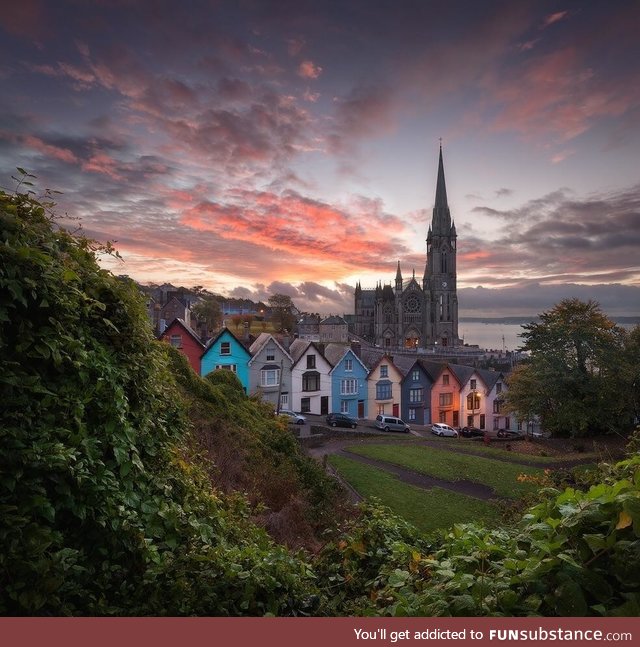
[384, 370]
[348, 387]
[383, 391]
[415, 376]
[473, 385]
[499, 387]
[176, 341]
[446, 399]
[348, 365]
[412, 414]
[473, 401]
[344, 406]
[415, 396]
[311, 381]
[311, 361]
[284, 400]
[269, 377]
[271, 355]
[227, 367]
[496, 423]
[380, 409]
[225, 348]
[482, 421]
[305, 405]
[507, 423]
[496, 406]
[445, 380]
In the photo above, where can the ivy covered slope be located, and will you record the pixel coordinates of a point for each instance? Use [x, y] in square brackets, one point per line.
[103, 507]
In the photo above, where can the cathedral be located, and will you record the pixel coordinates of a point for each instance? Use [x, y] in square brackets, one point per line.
[410, 314]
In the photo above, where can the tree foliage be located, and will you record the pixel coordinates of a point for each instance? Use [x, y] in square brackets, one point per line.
[282, 309]
[103, 508]
[208, 311]
[572, 380]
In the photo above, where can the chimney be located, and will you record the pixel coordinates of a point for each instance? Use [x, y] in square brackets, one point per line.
[356, 348]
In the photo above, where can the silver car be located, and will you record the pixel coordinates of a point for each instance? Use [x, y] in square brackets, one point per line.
[440, 429]
[294, 418]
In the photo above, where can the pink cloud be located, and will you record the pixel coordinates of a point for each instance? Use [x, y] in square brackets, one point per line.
[554, 17]
[326, 239]
[309, 70]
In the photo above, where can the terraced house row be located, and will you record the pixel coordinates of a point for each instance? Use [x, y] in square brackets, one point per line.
[315, 378]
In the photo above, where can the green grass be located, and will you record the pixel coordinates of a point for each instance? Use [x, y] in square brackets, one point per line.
[427, 510]
[451, 466]
[498, 449]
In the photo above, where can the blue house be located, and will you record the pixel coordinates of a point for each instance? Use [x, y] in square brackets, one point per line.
[348, 381]
[226, 352]
[416, 392]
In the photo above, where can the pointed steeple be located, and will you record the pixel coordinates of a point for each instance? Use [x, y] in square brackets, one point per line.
[441, 188]
[441, 222]
[398, 279]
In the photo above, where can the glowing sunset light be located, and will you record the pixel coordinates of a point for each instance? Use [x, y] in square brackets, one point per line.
[261, 147]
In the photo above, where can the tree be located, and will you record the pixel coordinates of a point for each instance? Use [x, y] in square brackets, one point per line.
[209, 312]
[572, 380]
[282, 308]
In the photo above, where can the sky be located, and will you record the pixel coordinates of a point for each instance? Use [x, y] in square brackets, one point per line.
[257, 147]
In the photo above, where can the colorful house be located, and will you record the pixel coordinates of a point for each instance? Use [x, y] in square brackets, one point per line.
[270, 371]
[185, 339]
[310, 378]
[349, 388]
[226, 352]
[445, 395]
[416, 393]
[384, 389]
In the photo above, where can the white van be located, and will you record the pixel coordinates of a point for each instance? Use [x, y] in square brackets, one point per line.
[390, 423]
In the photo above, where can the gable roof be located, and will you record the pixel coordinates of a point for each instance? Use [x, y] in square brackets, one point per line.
[188, 329]
[215, 339]
[335, 353]
[334, 320]
[386, 359]
[261, 341]
[299, 348]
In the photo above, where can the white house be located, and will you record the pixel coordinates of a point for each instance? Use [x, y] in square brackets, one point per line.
[310, 378]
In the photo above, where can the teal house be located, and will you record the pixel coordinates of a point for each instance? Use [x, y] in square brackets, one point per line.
[226, 352]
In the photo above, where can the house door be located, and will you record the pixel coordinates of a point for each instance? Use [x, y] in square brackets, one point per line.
[324, 405]
[456, 419]
[396, 410]
[360, 408]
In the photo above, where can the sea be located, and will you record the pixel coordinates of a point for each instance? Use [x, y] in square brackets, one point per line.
[501, 335]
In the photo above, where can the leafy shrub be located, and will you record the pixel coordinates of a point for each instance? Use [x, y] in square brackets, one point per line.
[103, 507]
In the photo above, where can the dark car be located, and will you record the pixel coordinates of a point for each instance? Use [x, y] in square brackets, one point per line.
[506, 433]
[471, 432]
[341, 420]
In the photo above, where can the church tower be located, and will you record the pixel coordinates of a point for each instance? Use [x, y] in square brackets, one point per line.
[440, 325]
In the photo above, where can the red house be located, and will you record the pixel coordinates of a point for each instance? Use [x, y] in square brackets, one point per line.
[185, 339]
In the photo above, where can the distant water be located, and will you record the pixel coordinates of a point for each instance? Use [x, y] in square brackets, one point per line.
[496, 335]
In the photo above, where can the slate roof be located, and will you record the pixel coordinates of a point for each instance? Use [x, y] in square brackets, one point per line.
[187, 328]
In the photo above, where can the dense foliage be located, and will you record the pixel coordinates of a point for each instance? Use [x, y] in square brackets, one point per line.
[582, 374]
[110, 444]
[102, 509]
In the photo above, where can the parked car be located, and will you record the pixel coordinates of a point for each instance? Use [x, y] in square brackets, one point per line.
[391, 423]
[471, 432]
[507, 433]
[294, 418]
[440, 429]
[341, 420]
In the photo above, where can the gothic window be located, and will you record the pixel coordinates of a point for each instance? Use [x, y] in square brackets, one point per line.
[412, 304]
[387, 313]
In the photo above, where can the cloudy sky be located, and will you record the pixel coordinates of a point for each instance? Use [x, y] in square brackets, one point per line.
[256, 147]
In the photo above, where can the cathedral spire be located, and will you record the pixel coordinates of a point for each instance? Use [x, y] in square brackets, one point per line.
[441, 222]
[441, 188]
[398, 280]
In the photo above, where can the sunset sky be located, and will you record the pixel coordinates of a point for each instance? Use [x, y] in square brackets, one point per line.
[255, 147]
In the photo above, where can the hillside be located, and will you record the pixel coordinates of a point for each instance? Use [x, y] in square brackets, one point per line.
[130, 486]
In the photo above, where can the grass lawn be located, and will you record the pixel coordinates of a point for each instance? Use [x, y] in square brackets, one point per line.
[452, 466]
[498, 449]
[427, 510]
